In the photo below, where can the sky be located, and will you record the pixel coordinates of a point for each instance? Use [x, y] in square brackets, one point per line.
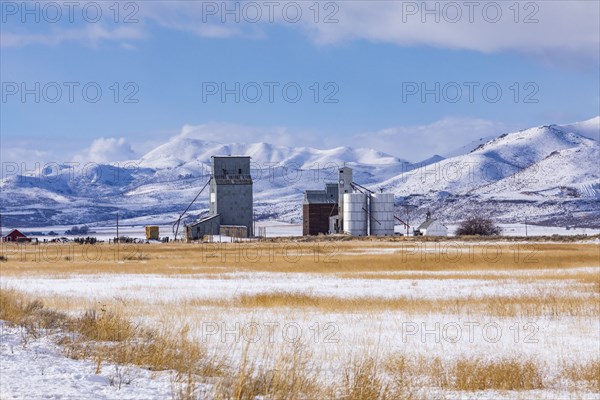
[109, 81]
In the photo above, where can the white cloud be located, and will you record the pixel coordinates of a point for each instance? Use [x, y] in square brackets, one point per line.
[91, 34]
[235, 133]
[552, 31]
[546, 30]
[562, 28]
[565, 32]
[106, 150]
[191, 17]
[417, 142]
[412, 142]
[25, 156]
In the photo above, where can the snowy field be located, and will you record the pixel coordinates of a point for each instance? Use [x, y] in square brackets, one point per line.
[132, 229]
[36, 368]
[546, 314]
[104, 287]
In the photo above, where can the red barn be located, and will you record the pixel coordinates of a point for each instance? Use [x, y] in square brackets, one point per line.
[15, 236]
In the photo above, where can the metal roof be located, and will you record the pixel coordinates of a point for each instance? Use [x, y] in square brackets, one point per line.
[318, 197]
[204, 219]
[428, 223]
[229, 156]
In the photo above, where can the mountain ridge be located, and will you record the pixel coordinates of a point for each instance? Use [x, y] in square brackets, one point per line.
[547, 172]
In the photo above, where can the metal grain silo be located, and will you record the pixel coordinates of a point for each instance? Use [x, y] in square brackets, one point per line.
[382, 214]
[355, 214]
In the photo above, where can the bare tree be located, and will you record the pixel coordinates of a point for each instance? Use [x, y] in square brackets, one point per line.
[478, 225]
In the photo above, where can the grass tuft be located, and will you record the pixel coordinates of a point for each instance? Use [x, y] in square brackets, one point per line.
[588, 372]
[505, 374]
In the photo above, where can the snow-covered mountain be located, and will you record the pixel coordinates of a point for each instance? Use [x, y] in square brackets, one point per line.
[589, 128]
[186, 152]
[545, 174]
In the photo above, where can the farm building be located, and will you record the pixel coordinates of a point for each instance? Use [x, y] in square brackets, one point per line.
[210, 225]
[231, 191]
[234, 231]
[431, 227]
[15, 236]
[152, 233]
[231, 200]
[348, 207]
[344, 187]
[318, 207]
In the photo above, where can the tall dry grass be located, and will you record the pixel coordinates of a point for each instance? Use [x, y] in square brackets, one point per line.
[331, 258]
[293, 373]
[364, 380]
[466, 373]
[287, 375]
[107, 333]
[586, 372]
[106, 336]
[504, 374]
[525, 305]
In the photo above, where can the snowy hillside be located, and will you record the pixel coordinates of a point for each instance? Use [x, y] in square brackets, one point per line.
[490, 162]
[546, 174]
[589, 128]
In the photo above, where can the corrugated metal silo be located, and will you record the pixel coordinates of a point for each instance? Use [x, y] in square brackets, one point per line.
[355, 214]
[382, 214]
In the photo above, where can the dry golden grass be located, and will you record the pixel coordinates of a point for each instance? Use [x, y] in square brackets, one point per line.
[287, 376]
[106, 336]
[588, 373]
[327, 257]
[102, 325]
[106, 331]
[466, 374]
[578, 297]
[363, 380]
[534, 305]
[20, 310]
[505, 374]
[586, 277]
[417, 239]
[408, 373]
[172, 351]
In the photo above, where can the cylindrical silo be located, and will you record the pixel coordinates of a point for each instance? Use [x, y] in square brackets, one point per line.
[355, 214]
[382, 214]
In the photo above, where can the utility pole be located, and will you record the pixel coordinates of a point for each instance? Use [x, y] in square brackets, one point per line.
[407, 208]
[525, 226]
[118, 235]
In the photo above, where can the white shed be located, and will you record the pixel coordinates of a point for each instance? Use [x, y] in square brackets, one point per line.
[432, 227]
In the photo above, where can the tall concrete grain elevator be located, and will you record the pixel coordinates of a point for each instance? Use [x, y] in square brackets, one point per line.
[230, 211]
[231, 191]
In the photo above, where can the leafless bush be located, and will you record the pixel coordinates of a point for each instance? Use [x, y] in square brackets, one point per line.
[478, 225]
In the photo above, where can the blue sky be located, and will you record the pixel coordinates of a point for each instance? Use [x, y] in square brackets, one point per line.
[366, 62]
